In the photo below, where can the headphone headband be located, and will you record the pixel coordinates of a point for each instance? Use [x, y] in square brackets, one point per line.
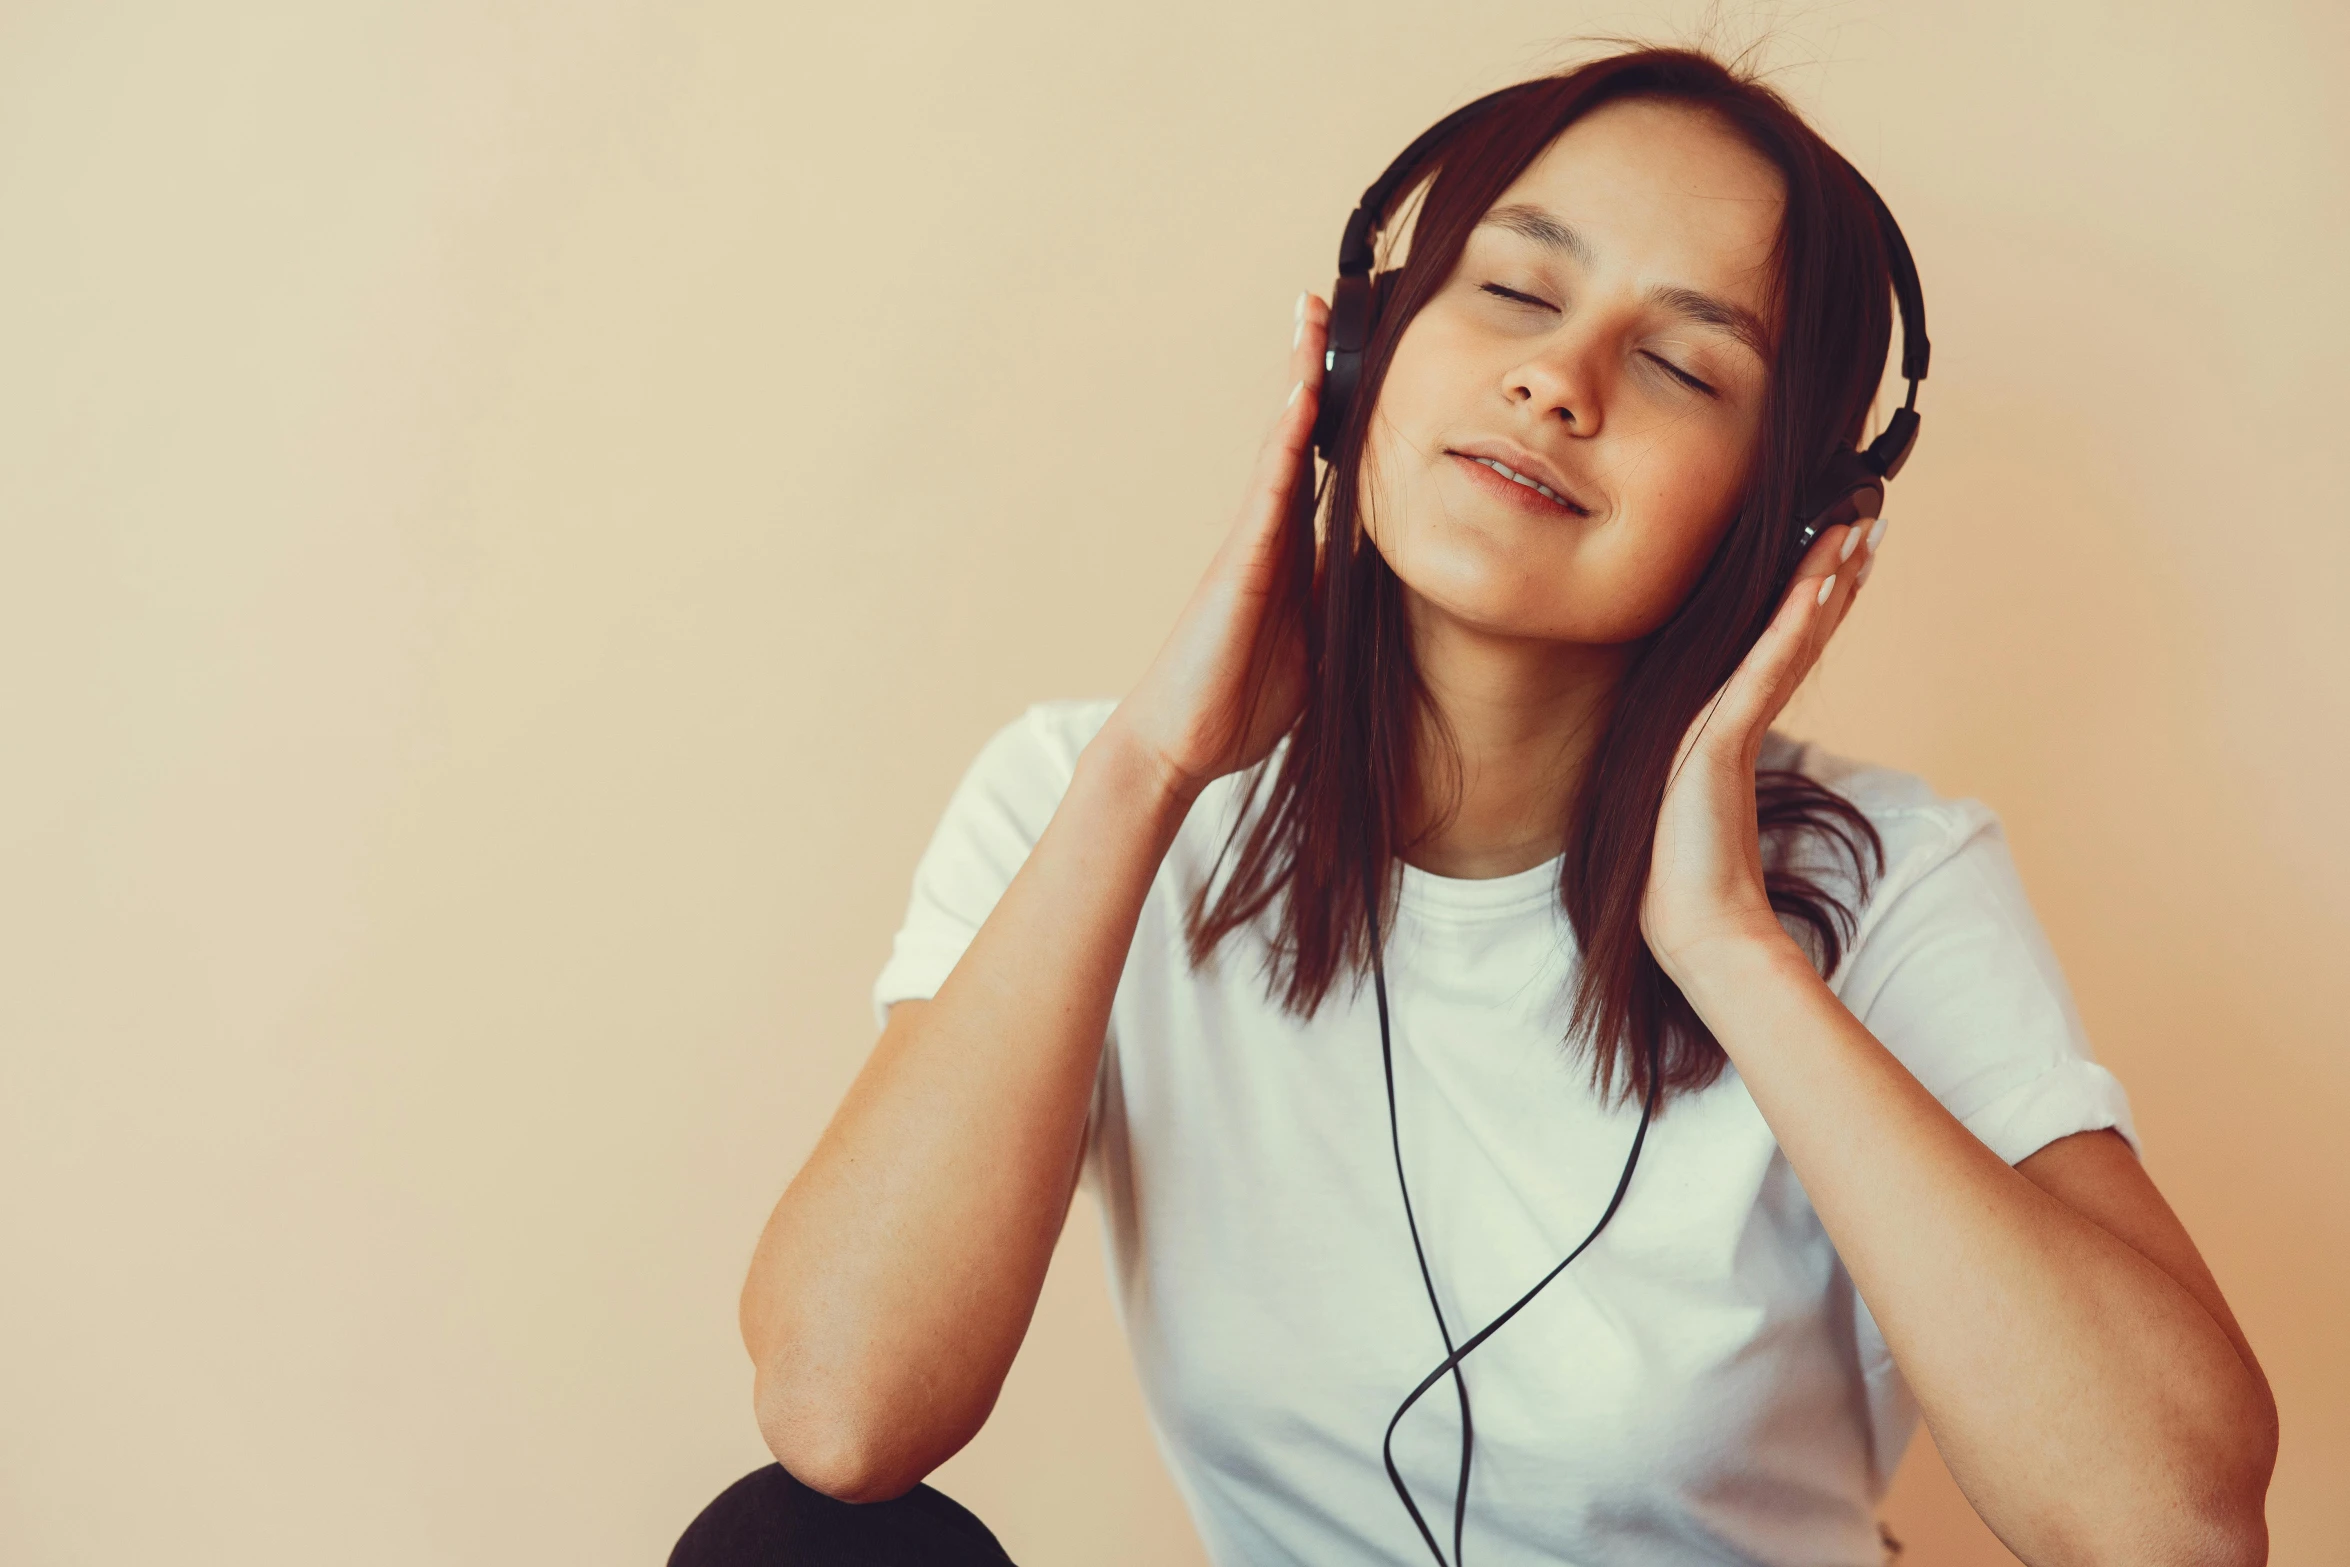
[1370, 214]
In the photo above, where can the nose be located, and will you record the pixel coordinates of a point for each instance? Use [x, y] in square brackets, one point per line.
[1561, 381]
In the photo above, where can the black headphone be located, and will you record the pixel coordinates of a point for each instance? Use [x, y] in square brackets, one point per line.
[1848, 487]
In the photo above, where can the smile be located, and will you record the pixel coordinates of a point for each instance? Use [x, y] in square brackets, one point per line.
[1524, 488]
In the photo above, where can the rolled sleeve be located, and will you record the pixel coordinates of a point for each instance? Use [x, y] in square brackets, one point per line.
[1953, 973]
[996, 814]
[2073, 1096]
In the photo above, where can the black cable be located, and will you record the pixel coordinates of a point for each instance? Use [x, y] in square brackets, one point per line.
[1453, 1357]
[1460, 1495]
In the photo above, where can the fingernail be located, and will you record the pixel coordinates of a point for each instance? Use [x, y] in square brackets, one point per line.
[1862, 575]
[1297, 331]
[1298, 311]
[1876, 532]
[1851, 541]
[1826, 588]
[1293, 391]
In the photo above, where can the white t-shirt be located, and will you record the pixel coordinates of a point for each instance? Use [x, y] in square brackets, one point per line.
[1703, 1385]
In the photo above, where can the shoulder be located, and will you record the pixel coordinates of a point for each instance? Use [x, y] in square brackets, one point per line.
[1066, 725]
[1951, 969]
[1922, 831]
[1007, 794]
[1034, 755]
[1948, 886]
[1890, 798]
[1011, 787]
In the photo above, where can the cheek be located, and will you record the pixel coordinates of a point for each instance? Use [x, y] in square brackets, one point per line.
[1685, 480]
[1653, 569]
[1678, 501]
[1433, 372]
[1409, 506]
[1623, 579]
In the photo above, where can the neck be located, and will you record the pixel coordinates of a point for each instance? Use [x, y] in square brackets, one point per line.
[1523, 716]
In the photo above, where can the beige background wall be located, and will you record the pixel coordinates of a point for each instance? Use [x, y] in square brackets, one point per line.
[516, 515]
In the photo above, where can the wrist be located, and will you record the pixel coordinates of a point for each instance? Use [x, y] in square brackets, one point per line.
[1138, 773]
[1718, 969]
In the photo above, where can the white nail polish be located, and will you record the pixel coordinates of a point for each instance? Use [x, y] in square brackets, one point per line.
[1876, 532]
[1293, 391]
[1862, 575]
[1826, 588]
[1851, 541]
[1298, 311]
[1297, 331]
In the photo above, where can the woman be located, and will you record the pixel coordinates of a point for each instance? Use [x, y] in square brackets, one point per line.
[1504, 751]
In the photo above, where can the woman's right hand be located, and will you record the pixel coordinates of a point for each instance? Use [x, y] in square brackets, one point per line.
[1241, 635]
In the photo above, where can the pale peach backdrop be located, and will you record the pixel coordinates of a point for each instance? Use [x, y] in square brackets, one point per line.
[516, 515]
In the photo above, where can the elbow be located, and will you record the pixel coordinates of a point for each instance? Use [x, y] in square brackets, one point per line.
[2237, 1535]
[821, 1439]
[2220, 1523]
[854, 1417]
[2209, 1538]
[2243, 1546]
[2232, 1540]
[839, 1465]
[2234, 1519]
[837, 1445]
[2222, 1484]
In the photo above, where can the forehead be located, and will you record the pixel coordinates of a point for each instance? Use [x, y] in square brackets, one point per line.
[1660, 187]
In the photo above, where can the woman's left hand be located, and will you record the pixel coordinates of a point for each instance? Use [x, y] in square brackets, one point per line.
[1705, 875]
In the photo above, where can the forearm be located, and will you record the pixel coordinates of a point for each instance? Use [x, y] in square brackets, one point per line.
[2090, 1406]
[896, 1277]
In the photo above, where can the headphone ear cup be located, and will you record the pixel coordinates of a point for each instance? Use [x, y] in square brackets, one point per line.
[1353, 304]
[1846, 490]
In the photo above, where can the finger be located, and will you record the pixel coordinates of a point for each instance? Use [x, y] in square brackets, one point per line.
[1868, 561]
[1283, 460]
[1284, 456]
[1858, 562]
[1309, 331]
[1833, 551]
[1843, 553]
[1830, 616]
[1759, 689]
[1310, 326]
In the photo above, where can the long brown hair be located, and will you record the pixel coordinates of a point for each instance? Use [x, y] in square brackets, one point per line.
[1339, 793]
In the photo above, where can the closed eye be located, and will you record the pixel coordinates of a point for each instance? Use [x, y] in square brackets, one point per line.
[1513, 294]
[1671, 369]
[1682, 376]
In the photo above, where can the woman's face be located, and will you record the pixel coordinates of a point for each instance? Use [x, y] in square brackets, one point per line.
[1606, 333]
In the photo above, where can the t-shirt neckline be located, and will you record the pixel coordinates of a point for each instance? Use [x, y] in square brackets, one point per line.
[1427, 895]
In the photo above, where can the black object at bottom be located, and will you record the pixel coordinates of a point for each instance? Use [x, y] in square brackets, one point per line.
[769, 1519]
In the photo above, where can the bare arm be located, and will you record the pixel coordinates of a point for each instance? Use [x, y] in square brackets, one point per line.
[2072, 1356]
[2093, 1395]
[896, 1277]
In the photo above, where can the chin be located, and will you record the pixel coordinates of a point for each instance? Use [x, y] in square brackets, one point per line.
[1503, 588]
[1514, 605]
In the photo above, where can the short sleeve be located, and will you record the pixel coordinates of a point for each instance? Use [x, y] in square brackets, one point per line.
[1952, 972]
[993, 818]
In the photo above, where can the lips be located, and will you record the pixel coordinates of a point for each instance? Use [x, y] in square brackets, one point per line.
[1526, 465]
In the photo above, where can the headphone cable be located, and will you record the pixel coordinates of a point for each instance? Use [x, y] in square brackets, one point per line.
[1453, 1357]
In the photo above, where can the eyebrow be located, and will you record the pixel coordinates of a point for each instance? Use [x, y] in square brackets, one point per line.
[1547, 230]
